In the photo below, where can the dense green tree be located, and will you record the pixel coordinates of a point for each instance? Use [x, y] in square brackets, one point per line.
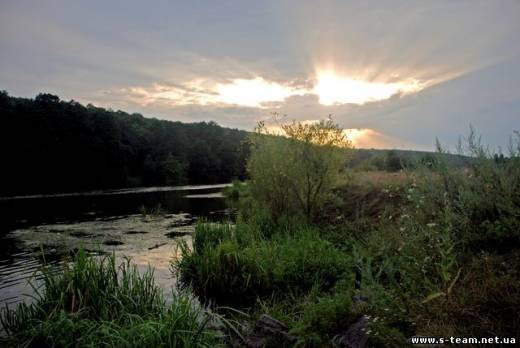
[174, 170]
[49, 145]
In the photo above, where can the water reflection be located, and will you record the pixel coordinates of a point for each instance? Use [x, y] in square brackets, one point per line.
[101, 223]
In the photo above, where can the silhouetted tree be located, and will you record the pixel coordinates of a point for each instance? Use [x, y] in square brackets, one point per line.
[48, 145]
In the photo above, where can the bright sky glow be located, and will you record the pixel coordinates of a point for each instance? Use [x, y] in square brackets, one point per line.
[254, 92]
[261, 93]
[335, 90]
[355, 135]
[359, 137]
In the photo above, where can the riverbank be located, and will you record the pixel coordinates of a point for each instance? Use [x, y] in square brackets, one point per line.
[394, 255]
[383, 263]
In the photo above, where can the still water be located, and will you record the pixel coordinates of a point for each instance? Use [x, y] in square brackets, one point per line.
[144, 224]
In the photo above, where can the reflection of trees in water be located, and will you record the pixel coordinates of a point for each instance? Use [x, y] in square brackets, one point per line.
[22, 212]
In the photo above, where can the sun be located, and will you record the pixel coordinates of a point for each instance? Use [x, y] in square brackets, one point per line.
[333, 89]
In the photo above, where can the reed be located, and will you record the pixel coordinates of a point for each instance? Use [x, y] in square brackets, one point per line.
[98, 303]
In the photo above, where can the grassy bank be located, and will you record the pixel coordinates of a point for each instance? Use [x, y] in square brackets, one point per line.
[432, 251]
[96, 303]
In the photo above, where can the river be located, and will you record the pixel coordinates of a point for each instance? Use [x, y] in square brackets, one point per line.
[144, 224]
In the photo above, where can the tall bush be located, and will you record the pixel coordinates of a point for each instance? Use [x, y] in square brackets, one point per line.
[295, 174]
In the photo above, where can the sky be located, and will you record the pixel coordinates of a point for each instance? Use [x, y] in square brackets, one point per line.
[393, 74]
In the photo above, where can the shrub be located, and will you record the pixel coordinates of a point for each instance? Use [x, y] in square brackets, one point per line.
[483, 197]
[236, 191]
[296, 175]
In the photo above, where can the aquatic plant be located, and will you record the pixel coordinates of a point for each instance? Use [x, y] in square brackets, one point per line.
[150, 212]
[94, 302]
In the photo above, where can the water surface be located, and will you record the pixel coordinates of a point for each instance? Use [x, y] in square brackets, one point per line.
[145, 224]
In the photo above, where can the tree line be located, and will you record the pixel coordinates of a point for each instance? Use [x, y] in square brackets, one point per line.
[50, 145]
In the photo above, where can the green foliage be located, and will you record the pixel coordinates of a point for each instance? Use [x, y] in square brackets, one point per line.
[174, 170]
[96, 303]
[395, 160]
[488, 289]
[236, 190]
[75, 147]
[324, 318]
[296, 174]
[238, 196]
[235, 269]
[429, 161]
[209, 235]
[483, 198]
[432, 251]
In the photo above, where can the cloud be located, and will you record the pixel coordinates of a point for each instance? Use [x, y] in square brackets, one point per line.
[256, 93]
[434, 67]
[260, 93]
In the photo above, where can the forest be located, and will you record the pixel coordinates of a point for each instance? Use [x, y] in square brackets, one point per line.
[49, 145]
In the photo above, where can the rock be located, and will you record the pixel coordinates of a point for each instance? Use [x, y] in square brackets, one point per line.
[354, 337]
[268, 332]
[359, 299]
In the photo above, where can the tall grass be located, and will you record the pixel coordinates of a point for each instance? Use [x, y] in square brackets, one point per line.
[442, 257]
[96, 303]
[473, 219]
[236, 270]
[210, 234]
